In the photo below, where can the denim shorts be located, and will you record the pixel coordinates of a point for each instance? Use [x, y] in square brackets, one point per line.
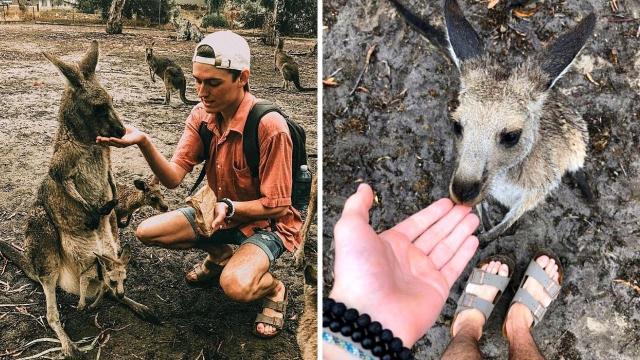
[268, 241]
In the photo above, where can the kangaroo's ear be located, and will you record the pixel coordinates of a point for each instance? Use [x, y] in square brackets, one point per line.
[556, 59]
[140, 185]
[90, 60]
[105, 261]
[464, 42]
[125, 256]
[70, 72]
[152, 43]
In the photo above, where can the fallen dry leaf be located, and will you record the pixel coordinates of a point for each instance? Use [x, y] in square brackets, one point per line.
[492, 3]
[330, 82]
[525, 13]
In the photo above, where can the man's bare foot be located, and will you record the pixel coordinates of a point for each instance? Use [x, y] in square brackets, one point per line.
[471, 321]
[279, 292]
[519, 317]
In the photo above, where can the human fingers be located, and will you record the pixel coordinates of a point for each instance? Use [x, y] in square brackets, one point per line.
[445, 249]
[417, 223]
[452, 270]
[359, 204]
[442, 228]
[111, 141]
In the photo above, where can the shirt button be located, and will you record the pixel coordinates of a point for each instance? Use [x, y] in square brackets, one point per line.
[219, 188]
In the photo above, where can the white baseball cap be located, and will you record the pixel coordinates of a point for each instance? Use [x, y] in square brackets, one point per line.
[230, 49]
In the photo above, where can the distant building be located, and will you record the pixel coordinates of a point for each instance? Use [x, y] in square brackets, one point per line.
[51, 3]
[201, 3]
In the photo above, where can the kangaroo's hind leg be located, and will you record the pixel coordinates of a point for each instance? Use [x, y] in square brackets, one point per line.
[69, 349]
[580, 177]
[168, 86]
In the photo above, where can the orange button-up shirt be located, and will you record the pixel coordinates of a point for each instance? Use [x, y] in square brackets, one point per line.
[228, 173]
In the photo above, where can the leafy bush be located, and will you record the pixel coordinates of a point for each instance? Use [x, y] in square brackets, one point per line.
[252, 14]
[214, 20]
[149, 10]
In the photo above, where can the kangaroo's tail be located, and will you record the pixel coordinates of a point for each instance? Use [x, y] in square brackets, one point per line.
[296, 82]
[434, 35]
[19, 259]
[183, 97]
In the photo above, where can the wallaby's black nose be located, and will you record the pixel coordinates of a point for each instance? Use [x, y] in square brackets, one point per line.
[164, 208]
[465, 192]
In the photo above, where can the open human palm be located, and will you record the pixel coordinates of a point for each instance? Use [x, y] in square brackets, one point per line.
[402, 276]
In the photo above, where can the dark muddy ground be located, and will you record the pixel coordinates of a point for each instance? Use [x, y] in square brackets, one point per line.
[396, 137]
[199, 323]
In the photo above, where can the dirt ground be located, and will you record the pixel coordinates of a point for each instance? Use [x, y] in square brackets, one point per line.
[198, 323]
[396, 136]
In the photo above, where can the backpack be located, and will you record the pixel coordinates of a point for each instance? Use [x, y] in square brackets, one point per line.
[251, 144]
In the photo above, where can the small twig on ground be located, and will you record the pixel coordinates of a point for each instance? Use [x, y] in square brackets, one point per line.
[335, 72]
[201, 354]
[625, 282]
[159, 297]
[366, 67]
[14, 305]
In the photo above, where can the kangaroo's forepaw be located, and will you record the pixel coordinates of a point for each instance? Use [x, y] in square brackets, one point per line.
[106, 208]
[147, 314]
[92, 222]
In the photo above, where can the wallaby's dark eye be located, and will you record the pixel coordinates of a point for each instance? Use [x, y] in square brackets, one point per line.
[457, 128]
[510, 139]
[113, 283]
[154, 198]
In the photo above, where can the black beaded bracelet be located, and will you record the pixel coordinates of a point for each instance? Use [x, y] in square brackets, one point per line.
[359, 327]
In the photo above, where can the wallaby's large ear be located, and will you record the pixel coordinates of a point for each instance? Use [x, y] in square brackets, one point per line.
[125, 256]
[90, 60]
[556, 59]
[464, 42]
[70, 72]
[105, 261]
[140, 185]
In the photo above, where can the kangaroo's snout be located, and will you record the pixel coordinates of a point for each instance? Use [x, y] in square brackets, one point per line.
[464, 192]
[164, 208]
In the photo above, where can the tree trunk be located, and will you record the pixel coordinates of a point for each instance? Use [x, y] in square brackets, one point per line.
[114, 24]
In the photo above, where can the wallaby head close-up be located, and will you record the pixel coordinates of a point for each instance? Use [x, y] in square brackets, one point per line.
[114, 270]
[152, 195]
[497, 122]
[86, 108]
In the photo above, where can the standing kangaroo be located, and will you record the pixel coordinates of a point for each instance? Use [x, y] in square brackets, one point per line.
[515, 135]
[288, 68]
[131, 198]
[71, 219]
[170, 72]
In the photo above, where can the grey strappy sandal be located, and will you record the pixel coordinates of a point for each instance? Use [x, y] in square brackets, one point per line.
[480, 277]
[551, 287]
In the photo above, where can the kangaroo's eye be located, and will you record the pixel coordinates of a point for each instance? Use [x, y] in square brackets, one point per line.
[113, 283]
[510, 139]
[154, 198]
[101, 110]
[457, 128]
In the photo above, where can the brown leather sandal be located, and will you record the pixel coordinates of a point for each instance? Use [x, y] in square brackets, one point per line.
[277, 322]
[204, 279]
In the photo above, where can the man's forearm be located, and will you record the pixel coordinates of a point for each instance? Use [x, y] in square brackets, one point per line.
[164, 170]
[246, 211]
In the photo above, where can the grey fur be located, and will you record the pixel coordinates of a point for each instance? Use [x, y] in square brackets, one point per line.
[288, 68]
[170, 72]
[497, 105]
[71, 218]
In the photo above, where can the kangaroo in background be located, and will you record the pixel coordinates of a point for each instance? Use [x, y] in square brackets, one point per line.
[72, 218]
[170, 72]
[131, 198]
[307, 327]
[515, 135]
[288, 68]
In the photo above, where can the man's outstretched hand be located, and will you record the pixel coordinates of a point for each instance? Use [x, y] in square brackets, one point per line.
[133, 136]
[402, 276]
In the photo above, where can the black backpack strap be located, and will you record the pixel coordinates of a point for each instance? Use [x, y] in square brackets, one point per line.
[250, 142]
[205, 137]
